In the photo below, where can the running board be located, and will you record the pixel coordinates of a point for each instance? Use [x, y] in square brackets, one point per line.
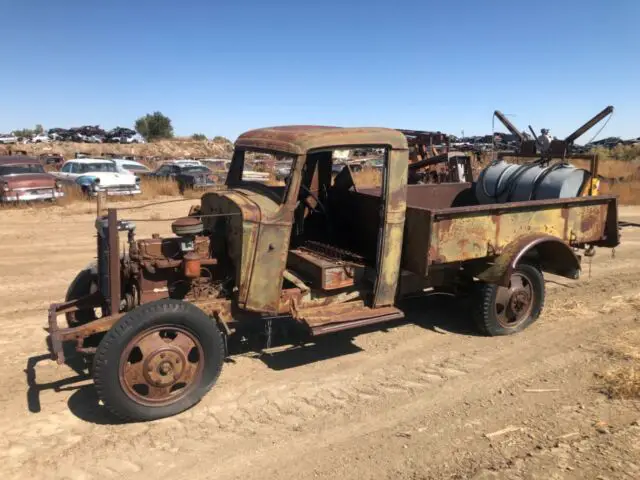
[334, 318]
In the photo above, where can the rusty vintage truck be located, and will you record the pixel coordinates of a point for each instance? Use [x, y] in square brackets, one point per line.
[155, 318]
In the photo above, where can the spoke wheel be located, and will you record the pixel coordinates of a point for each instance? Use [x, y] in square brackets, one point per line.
[161, 365]
[508, 310]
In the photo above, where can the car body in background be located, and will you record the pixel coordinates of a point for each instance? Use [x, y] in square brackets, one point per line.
[40, 138]
[220, 167]
[23, 179]
[8, 138]
[283, 169]
[52, 160]
[95, 175]
[189, 174]
[131, 166]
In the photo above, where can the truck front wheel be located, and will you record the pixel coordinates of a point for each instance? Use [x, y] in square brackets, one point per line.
[158, 360]
[508, 310]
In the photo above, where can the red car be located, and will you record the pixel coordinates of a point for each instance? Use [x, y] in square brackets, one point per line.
[23, 179]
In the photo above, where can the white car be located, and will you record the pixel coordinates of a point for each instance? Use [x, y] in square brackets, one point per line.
[40, 138]
[10, 138]
[123, 165]
[97, 175]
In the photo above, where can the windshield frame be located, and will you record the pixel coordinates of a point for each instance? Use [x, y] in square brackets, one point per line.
[236, 169]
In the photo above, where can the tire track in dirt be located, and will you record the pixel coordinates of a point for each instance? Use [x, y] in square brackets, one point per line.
[258, 417]
[281, 409]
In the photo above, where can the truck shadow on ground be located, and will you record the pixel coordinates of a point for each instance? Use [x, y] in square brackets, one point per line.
[439, 313]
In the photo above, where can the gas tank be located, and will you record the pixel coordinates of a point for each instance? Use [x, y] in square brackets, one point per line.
[503, 182]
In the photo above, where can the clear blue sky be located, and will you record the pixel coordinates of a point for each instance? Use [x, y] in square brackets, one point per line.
[221, 68]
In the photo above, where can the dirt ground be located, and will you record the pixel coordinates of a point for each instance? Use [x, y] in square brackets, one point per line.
[424, 398]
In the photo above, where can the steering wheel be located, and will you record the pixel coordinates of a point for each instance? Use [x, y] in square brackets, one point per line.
[319, 207]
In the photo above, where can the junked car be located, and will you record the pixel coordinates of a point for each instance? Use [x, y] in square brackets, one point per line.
[96, 175]
[189, 174]
[8, 138]
[131, 166]
[23, 179]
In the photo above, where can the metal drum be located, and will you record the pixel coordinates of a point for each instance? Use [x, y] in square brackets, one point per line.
[503, 182]
[565, 181]
[492, 182]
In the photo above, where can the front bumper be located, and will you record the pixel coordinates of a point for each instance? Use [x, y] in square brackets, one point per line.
[58, 336]
[31, 195]
[203, 185]
[111, 191]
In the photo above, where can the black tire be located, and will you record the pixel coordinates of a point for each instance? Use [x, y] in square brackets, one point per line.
[495, 315]
[162, 314]
[82, 285]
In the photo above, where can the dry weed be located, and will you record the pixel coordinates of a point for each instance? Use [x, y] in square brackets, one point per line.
[622, 382]
[623, 379]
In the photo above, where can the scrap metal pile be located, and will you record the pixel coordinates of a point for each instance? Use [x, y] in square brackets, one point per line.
[93, 134]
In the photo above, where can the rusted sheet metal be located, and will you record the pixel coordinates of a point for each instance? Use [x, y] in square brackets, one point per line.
[239, 232]
[323, 272]
[470, 233]
[299, 139]
[59, 335]
[347, 315]
[552, 255]
[271, 249]
[391, 229]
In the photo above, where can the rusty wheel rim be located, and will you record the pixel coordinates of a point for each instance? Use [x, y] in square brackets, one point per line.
[161, 365]
[513, 304]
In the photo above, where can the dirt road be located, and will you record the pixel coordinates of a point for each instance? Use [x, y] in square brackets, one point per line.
[424, 398]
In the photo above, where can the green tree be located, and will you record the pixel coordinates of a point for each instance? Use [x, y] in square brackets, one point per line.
[39, 129]
[219, 139]
[154, 126]
[198, 136]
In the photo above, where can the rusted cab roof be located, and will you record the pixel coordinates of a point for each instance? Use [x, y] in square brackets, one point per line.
[298, 139]
[14, 159]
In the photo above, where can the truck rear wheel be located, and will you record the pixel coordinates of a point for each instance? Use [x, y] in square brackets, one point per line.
[158, 360]
[508, 310]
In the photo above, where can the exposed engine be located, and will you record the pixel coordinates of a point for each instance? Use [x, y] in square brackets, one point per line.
[181, 267]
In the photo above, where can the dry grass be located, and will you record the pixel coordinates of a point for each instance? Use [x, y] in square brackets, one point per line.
[623, 379]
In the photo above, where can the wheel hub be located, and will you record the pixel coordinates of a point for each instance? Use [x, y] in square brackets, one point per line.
[161, 365]
[164, 367]
[520, 300]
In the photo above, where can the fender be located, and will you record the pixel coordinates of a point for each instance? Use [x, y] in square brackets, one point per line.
[549, 253]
